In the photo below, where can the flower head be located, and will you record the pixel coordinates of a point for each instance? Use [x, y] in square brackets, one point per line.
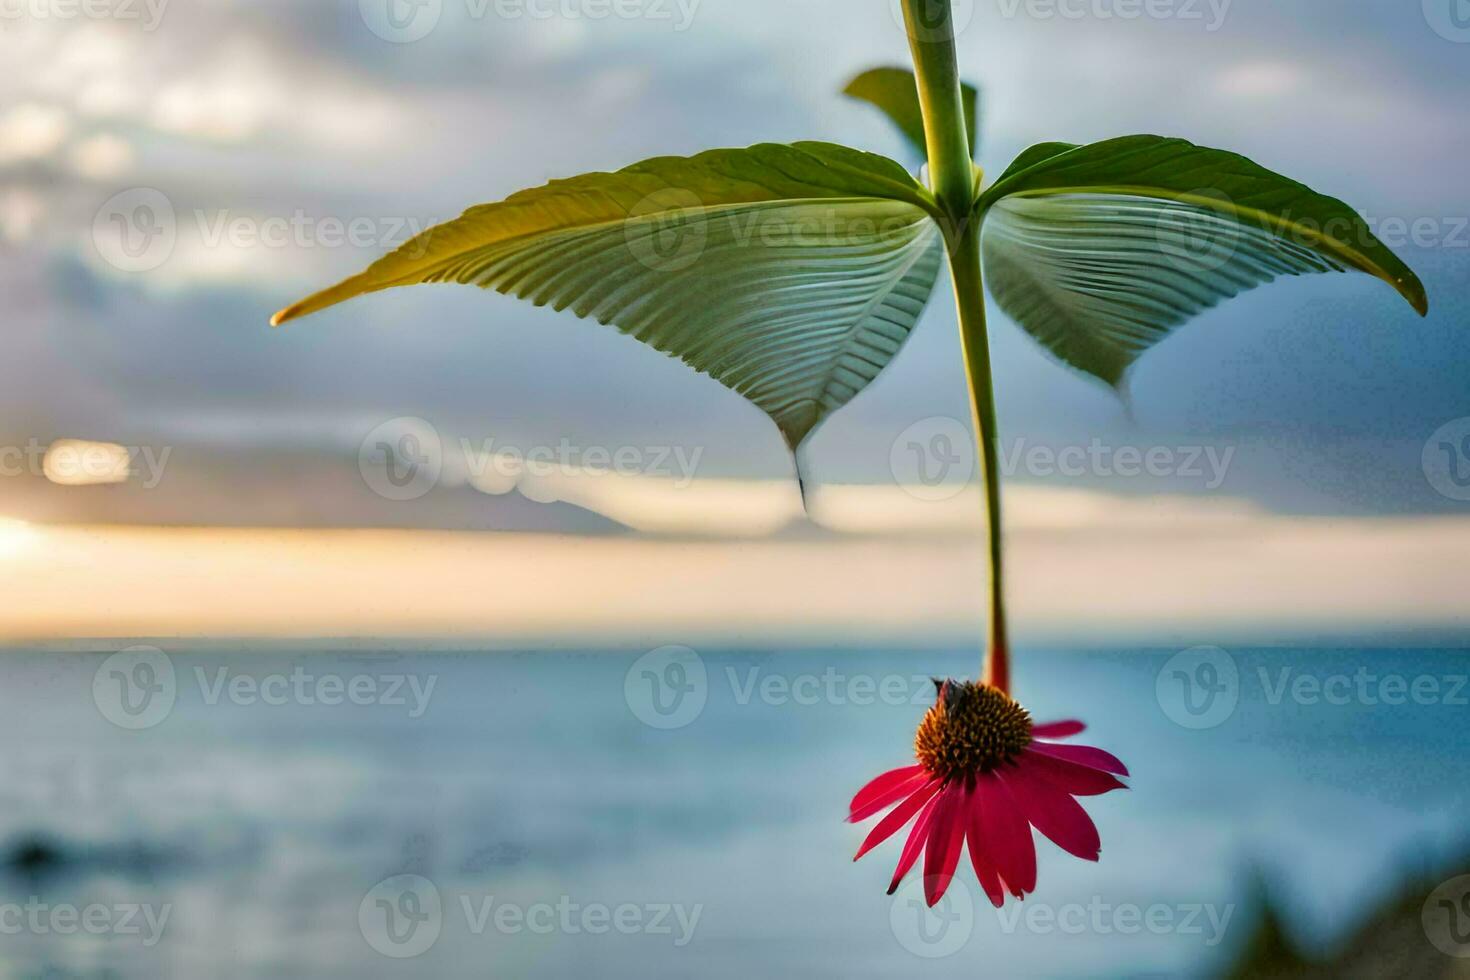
[985, 776]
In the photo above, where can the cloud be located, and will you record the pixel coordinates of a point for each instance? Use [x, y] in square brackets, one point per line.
[1185, 576]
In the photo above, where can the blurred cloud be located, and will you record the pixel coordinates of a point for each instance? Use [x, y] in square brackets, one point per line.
[1183, 575]
[290, 145]
[30, 131]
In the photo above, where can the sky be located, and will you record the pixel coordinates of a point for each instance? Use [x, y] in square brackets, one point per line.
[283, 144]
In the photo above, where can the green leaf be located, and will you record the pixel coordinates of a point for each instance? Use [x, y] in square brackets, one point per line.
[1101, 251]
[895, 93]
[790, 274]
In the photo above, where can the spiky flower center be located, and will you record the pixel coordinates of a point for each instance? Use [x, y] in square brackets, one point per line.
[972, 728]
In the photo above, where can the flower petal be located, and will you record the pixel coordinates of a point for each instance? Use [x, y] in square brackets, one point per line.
[1007, 834]
[882, 784]
[1083, 755]
[1058, 729]
[1053, 812]
[946, 840]
[980, 858]
[901, 815]
[1069, 777]
[888, 798]
[914, 844]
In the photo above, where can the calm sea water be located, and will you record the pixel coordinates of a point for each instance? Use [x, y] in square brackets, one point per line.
[355, 814]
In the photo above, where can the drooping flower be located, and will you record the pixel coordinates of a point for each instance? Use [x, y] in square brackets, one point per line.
[985, 776]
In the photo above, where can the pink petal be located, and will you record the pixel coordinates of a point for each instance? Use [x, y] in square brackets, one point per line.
[1007, 834]
[1083, 755]
[1069, 777]
[946, 840]
[1058, 729]
[882, 784]
[1053, 812]
[980, 859]
[888, 798]
[901, 815]
[914, 844]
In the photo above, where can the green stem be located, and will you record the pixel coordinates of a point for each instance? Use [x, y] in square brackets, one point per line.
[964, 260]
[951, 169]
[931, 38]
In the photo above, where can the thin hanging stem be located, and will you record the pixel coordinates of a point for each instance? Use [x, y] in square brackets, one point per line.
[952, 171]
[964, 258]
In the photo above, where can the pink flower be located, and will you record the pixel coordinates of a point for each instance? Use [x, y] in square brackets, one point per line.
[986, 776]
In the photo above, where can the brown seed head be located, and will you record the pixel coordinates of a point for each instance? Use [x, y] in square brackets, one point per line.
[972, 728]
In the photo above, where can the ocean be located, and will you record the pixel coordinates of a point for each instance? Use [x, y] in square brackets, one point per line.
[247, 812]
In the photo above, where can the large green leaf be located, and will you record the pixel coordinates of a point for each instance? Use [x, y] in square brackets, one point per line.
[895, 93]
[1101, 251]
[791, 274]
